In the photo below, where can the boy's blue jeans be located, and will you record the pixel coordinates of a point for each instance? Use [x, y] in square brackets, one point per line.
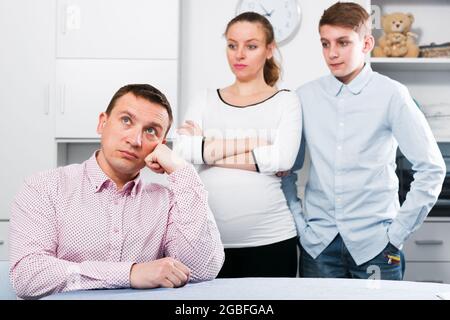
[336, 262]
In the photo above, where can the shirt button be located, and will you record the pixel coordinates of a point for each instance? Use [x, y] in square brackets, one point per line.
[341, 124]
[339, 148]
[338, 199]
[116, 202]
[116, 230]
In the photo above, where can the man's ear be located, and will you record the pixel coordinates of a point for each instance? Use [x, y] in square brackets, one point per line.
[102, 118]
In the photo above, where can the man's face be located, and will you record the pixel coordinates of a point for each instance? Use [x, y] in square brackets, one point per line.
[132, 130]
[344, 51]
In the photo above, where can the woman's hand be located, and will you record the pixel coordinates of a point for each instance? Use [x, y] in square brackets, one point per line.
[190, 128]
[282, 174]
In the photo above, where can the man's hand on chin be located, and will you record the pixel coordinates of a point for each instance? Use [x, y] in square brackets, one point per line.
[164, 160]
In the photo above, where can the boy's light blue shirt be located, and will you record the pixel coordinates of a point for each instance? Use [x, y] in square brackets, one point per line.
[352, 132]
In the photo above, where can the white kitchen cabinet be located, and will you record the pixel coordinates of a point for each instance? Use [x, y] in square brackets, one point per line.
[103, 45]
[27, 57]
[61, 61]
[438, 272]
[132, 29]
[430, 243]
[85, 88]
[4, 241]
[427, 252]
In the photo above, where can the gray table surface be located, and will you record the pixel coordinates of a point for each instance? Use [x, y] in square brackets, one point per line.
[274, 289]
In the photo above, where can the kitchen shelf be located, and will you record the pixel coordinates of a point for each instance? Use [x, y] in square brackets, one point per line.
[410, 64]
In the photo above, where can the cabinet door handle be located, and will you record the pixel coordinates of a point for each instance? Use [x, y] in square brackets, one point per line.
[47, 100]
[434, 281]
[429, 242]
[64, 19]
[2, 242]
[63, 98]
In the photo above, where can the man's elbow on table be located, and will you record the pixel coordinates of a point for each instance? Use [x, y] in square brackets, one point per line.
[210, 270]
[26, 284]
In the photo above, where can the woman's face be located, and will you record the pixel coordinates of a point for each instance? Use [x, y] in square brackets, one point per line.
[247, 50]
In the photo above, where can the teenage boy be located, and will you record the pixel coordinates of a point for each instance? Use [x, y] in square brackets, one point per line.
[354, 120]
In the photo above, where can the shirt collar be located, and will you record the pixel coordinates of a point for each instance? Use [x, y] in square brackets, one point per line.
[132, 187]
[334, 86]
[100, 180]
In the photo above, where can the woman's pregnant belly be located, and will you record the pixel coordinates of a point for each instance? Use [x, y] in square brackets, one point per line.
[250, 208]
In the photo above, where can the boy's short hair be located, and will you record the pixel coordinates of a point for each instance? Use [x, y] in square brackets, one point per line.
[347, 15]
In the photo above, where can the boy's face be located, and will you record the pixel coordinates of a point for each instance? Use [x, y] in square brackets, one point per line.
[344, 51]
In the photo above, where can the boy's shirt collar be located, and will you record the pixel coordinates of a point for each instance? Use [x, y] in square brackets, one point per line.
[334, 86]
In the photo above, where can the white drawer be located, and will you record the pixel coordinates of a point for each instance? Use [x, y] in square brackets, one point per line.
[4, 243]
[430, 243]
[428, 272]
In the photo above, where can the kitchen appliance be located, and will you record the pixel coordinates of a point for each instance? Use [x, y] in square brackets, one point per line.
[405, 177]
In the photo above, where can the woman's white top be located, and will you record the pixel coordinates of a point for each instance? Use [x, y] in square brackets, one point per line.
[249, 207]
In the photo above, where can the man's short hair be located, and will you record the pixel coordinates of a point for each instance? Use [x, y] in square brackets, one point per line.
[348, 15]
[146, 92]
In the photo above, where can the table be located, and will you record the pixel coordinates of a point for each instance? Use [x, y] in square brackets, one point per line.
[274, 289]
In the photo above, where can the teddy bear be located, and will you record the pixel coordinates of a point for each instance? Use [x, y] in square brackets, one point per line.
[398, 40]
[396, 45]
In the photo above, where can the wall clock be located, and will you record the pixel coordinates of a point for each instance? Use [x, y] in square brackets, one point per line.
[284, 15]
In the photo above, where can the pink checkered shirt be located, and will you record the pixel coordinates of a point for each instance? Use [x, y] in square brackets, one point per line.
[71, 229]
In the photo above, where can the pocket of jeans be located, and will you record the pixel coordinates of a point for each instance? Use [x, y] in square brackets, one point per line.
[392, 254]
[392, 248]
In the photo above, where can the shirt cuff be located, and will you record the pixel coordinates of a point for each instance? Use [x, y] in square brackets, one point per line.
[256, 164]
[203, 150]
[190, 148]
[113, 274]
[119, 276]
[397, 235]
[267, 159]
